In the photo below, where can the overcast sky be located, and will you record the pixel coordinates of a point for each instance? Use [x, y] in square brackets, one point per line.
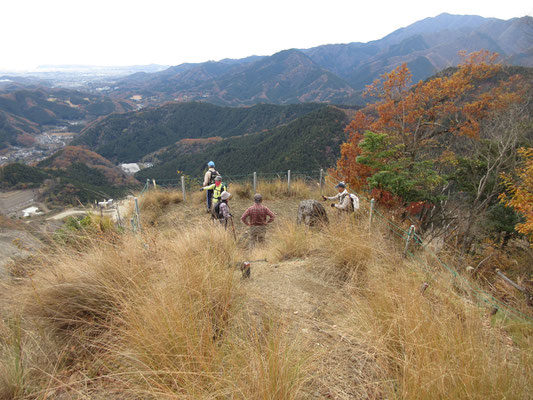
[128, 32]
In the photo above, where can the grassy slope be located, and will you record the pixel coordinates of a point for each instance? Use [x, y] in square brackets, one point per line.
[336, 313]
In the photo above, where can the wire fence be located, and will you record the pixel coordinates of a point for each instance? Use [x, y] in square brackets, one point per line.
[413, 240]
[187, 183]
[310, 176]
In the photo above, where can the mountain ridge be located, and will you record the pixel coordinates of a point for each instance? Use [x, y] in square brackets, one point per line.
[340, 71]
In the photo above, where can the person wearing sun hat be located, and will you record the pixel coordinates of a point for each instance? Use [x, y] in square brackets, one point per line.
[222, 212]
[343, 198]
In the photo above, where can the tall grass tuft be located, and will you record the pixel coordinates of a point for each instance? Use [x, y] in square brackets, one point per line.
[276, 189]
[265, 362]
[290, 241]
[154, 203]
[79, 232]
[349, 248]
[12, 374]
[434, 344]
[242, 190]
[157, 317]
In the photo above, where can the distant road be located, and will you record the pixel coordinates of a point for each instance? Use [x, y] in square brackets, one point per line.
[16, 200]
[66, 213]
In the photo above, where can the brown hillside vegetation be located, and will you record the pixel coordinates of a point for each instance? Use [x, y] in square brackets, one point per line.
[64, 158]
[331, 313]
[184, 146]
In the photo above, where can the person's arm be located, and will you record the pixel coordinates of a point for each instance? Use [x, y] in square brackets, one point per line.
[345, 203]
[210, 187]
[270, 214]
[207, 177]
[245, 216]
[332, 197]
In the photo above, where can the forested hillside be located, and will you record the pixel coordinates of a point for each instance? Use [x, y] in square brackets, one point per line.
[128, 137]
[71, 175]
[310, 142]
[24, 112]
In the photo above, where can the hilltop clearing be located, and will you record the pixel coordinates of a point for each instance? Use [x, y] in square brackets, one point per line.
[336, 312]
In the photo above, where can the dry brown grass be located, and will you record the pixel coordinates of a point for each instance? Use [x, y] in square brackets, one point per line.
[290, 241]
[154, 203]
[436, 343]
[165, 316]
[154, 318]
[272, 190]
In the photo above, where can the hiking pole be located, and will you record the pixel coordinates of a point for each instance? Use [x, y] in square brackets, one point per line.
[233, 229]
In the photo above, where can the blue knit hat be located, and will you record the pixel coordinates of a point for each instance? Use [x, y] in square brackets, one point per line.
[210, 164]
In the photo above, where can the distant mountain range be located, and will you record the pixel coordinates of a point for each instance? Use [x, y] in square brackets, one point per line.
[264, 137]
[335, 73]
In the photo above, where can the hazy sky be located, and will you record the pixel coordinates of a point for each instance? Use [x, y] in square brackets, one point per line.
[127, 32]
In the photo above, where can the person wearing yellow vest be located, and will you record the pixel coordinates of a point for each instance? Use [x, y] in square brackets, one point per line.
[218, 187]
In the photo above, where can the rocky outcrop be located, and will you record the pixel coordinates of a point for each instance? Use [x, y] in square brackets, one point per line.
[311, 213]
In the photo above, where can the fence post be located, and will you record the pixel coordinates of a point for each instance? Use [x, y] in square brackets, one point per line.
[255, 182]
[138, 213]
[183, 187]
[119, 220]
[321, 178]
[408, 239]
[155, 186]
[372, 203]
[289, 180]
[147, 183]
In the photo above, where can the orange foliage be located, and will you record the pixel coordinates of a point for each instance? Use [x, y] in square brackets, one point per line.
[348, 168]
[208, 140]
[415, 117]
[520, 191]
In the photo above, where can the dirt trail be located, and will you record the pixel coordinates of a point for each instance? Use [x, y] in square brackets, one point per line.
[312, 308]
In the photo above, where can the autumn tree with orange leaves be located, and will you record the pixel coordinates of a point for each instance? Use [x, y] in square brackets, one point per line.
[520, 192]
[407, 143]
